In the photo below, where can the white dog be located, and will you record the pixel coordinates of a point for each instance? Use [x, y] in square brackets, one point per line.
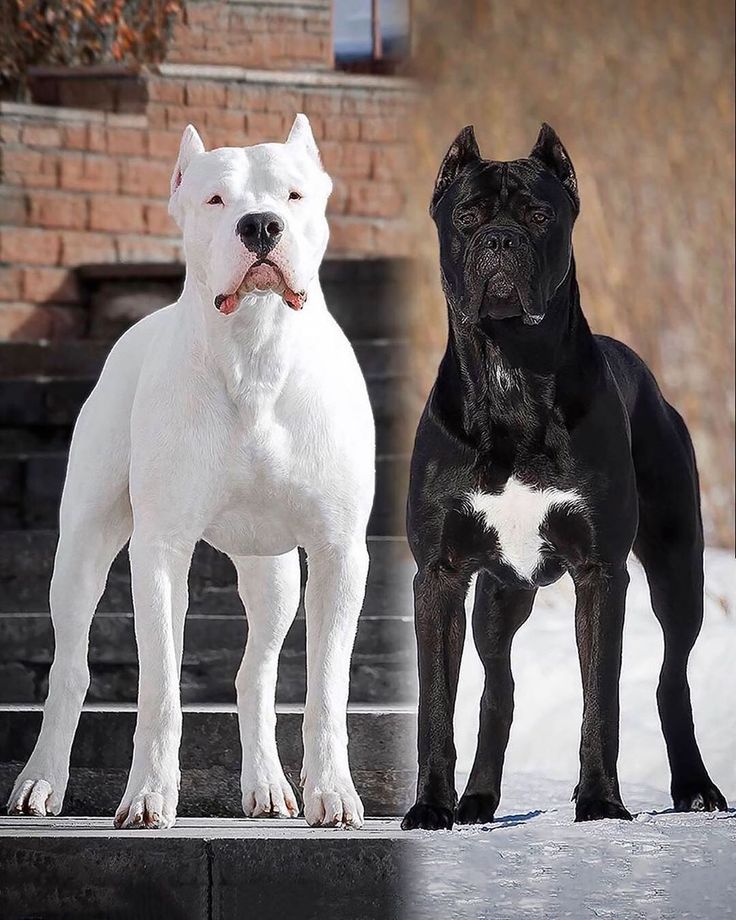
[237, 415]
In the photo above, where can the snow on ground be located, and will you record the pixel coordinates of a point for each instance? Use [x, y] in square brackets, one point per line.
[545, 734]
[534, 862]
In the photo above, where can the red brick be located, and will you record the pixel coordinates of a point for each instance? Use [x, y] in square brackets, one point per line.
[29, 245]
[322, 102]
[11, 282]
[286, 101]
[247, 98]
[164, 145]
[350, 236]
[57, 210]
[158, 221]
[375, 199]
[86, 173]
[13, 206]
[342, 129]
[57, 285]
[80, 248]
[26, 322]
[338, 203]
[201, 93]
[145, 177]
[390, 161]
[41, 136]
[96, 138]
[379, 130]
[126, 141]
[116, 213]
[9, 133]
[75, 137]
[346, 159]
[265, 126]
[29, 168]
[164, 90]
[147, 249]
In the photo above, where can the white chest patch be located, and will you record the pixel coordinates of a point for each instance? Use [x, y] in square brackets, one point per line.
[516, 515]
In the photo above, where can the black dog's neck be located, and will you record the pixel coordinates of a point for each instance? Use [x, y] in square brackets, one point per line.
[508, 372]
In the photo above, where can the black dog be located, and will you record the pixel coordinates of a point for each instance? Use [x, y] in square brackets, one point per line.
[543, 449]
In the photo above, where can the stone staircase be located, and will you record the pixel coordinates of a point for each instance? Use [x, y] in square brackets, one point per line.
[42, 387]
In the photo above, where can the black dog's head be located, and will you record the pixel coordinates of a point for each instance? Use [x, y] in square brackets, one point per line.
[505, 229]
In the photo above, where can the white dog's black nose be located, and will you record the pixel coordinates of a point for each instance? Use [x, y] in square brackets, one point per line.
[260, 232]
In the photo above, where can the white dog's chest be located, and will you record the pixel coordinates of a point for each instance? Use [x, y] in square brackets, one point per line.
[516, 515]
[258, 487]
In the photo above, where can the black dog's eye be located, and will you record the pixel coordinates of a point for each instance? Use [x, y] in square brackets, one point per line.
[215, 199]
[295, 196]
[539, 217]
[466, 219]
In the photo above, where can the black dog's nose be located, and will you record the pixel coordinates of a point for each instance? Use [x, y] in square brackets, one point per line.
[260, 232]
[503, 239]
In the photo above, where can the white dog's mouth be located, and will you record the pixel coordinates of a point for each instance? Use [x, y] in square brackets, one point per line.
[261, 276]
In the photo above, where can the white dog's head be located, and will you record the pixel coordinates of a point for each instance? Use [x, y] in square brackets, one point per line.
[252, 218]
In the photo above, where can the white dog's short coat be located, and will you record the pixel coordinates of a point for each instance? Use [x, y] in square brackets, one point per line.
[237, 415]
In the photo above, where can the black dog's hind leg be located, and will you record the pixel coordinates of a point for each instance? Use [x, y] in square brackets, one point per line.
[599, 621]
[439, 597]
[670, 547]
[498, 613]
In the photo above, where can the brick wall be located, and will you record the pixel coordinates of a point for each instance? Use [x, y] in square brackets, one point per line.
[81, 186]
[256, 33]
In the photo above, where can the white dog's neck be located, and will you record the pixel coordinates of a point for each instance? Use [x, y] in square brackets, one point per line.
[255, 348]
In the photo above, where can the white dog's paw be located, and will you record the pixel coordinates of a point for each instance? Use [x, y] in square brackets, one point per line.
[36, 797]
[268, 794]
[331, 804]
[149, 808]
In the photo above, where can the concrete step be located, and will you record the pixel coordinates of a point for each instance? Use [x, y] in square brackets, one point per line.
[26, 559]
[203, 870]
[85, 357]
[383, 666]
[382, 756]
[31, 485]
[39, 414]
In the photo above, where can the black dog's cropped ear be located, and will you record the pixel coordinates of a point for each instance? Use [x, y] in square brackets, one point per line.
[463, 151]
[550, 151]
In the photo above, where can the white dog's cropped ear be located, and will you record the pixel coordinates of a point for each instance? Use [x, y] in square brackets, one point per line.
[191, 145]
[301, 133]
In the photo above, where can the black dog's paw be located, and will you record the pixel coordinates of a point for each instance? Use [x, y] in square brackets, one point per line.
[703, 796]
[427, 817]
[593, 809]
[476, 809]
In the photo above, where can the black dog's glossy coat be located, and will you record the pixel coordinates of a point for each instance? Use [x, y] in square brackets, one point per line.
[525, 389]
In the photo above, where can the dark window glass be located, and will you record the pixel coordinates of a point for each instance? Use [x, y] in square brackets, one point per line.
[371, 36]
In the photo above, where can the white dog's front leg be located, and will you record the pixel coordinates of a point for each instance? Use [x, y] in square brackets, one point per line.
[269, 587]
[159, 570]
[335, 591]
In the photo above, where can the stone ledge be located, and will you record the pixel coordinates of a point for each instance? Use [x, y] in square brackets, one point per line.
[202, 870]
[332, 79]
[60, 113]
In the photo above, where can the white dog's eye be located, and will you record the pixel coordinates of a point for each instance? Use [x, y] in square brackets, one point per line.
[294, 196]
[215, 199]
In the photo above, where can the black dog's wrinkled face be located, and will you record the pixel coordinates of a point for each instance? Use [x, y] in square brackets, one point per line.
[505, 229]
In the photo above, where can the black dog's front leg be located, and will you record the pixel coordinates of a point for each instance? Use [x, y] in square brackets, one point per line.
[599, 621]
[497, 615]
[439, 598]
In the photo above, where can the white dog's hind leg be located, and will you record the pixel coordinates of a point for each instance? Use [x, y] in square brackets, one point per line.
[159, 570]
[269, 587]
[85, 552]
[335, 591]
